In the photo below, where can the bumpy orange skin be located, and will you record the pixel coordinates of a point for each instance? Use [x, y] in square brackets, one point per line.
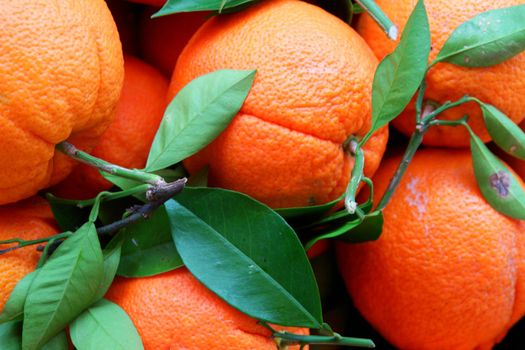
[311, 92]
[128, 139]
[502, 85]
[61, 73]
[448, 271]
[28, 219]
[162, 39]
[175, 311]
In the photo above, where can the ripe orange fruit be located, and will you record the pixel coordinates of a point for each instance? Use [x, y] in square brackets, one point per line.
[128, 139]
[61, 73]
[311, 92]
[28, 219]
[500, 85]
[175, 311]
[448, 270]
[162, 39]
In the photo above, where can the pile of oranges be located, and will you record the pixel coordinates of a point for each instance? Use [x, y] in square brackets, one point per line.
[448, 271]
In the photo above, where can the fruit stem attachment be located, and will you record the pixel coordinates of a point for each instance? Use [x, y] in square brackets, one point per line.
[426, 120]
[285, 339]
[355, 178]
[379, 17]
[133, 174]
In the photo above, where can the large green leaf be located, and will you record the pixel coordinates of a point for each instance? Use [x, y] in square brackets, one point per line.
[68, 215]
[105, 326]
[148, 247]
[14, 307]
[400, 74]
[247, 254]
[498, 185]
[58, 342]
[11, 335]
[302, 213]
[504, 132]
[487, 39]
[176, 6]
[111, 256]
[63, 288]
[198, 114]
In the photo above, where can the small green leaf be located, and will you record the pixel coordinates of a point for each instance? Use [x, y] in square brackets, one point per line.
[505, 133]
[334, 233]
[14, 307]
[11, 335]
[302, 213]
[368, 230]
[58, 342]
[111, 256]
[400, 74]
[176, 6]
[487, 39]
[497, 184]
[105, 326]
[63, 288]
[246, 254]
[198, 114]
[68, 216]
[148, 247]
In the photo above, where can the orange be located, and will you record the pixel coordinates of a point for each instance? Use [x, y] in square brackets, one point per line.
[162, 39]
[28, 219]
[128, 139]
[502, 85]
[311, 92]
[448, 270]
[175, 311]
[61, 73]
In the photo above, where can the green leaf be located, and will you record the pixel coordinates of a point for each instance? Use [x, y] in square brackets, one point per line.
[14, 307]
[64, 287]
[498, 185]
[334, 232]
[504, 132]
[148, 247]
[487, 39]
[198, 114]
[68, 216]
[400, 74]
[58, 342]
[246, 254]
[302, 213]
[368, 230]
[176, 6]
[111, 256]
[11, 335]
[105, 326]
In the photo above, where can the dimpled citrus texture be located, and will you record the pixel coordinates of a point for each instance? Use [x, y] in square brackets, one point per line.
[502, 85]
[162, 39]
[175, 311]
[61, 73]
[128, 139]
[28, 219]
[448, 271]
[311, 92]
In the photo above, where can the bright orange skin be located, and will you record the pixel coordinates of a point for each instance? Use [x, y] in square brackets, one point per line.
[175, 311]
[28, 219]
[162, 39]
[128, 139]
[448, 270]
[61, 73]
[311, 92]
[502, 85]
